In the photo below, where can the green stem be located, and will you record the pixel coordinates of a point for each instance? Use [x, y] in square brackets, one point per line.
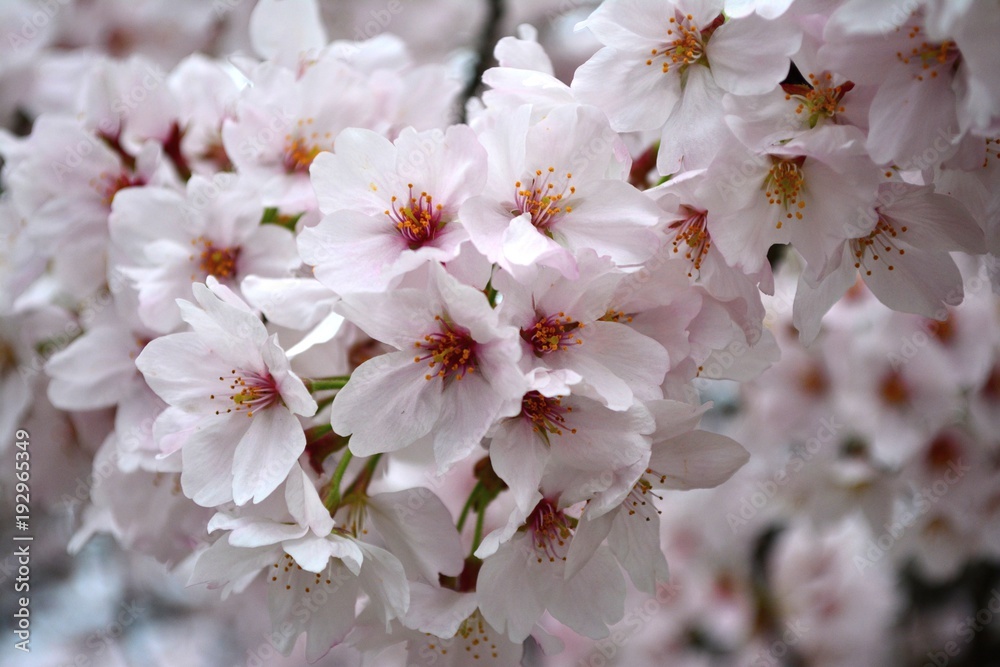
[473, 496]
[477, 537]
[360, 484]
[333, 496]
[322, 384]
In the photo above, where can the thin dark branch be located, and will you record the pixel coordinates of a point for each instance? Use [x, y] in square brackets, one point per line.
[488, 35]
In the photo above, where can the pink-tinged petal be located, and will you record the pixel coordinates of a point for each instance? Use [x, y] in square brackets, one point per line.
[934, 222]
[233, 336]
[920, 282]
[750, 56]
[331, 622]
[769, 9]
[284, 28]
[812, 303]
[524, 248]
[618, 364]
[358, 175]
[449, 166]
[263, 532]
[519, 456]
[697, 460]
[93, 371]
[383, 579]
[292, 390]
[634, 95]
[674, 418]
[266, 453]
[351, 251]
[695, 130]
[468, 408]
[296, 303]
[387, 405]
[438, 611]
[612, 218]
[304, 503]
[268, 251]
[909, 118]
[523, 52]
[635, 542]
[418, 529]
[487, 221]
[314, 553]
[509, 600]
[175, 368]
[140, 216]
[589, 536]
[207, 460]
[222, 562]
[593, 599]
[310, 552]
[172, 429]
[400, 317]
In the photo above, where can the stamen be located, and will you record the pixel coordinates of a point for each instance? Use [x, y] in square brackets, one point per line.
[547, 415]
[249, 392]
[879, 245]
[452, 350]
[783, 186]
[542, 199]
[419, 221]
[215, 261]
[692, 231]
[552, 333]
[685, 45]
[550, 532]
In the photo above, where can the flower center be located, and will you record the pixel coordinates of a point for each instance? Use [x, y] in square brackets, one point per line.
[927, 58]
[550, 532]
[783, 186]
[882, 239]
[546, 414]
[108, 185]
[419, 221]
[215, 261]
[692, 233]
[302, 148]
[819, 98]
[542, 199]
[552, 333]
[894, 389]
[452, 350]
[685, 45]
[248, 391]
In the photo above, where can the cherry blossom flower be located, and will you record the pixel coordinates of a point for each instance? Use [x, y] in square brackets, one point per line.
[454, 373]
[552, 190]
[527, 576]
[164, 241]
[390, 207]
[232, 400]
[666, 64]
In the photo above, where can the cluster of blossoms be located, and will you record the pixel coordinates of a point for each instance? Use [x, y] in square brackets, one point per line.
[427, 387]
